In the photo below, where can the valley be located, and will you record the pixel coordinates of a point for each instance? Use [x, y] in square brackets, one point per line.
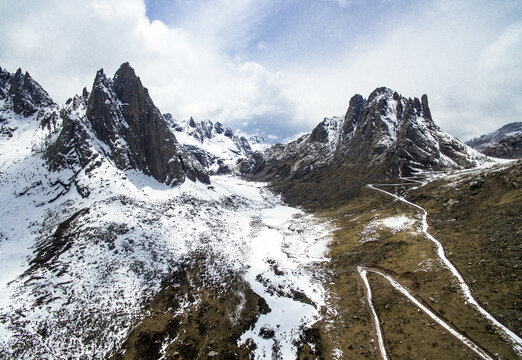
[128, 234]
[382, 244]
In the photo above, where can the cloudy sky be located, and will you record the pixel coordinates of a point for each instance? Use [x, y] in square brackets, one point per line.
[275, 67]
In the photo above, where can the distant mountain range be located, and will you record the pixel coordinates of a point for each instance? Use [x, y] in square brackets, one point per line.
[217, 148]
[505, 142]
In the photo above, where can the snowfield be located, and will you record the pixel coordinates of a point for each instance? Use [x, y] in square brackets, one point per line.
[76, 272]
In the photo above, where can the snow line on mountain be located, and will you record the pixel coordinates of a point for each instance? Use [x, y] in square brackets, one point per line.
[513, 338]
[362, 272]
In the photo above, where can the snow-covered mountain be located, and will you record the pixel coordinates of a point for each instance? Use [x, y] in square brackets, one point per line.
[383, 136]
[80, 251]
[105, 215]
[21, 94]
[217, 148]
[505, 142]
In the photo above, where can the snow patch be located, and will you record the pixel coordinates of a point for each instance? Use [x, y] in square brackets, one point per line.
[397, 223]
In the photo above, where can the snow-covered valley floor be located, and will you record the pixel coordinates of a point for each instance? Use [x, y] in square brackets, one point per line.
[84, 250]
[82, 297]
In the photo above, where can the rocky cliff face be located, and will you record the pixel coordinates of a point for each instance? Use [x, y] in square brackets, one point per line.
[383, 137]
[505, 142]
[400, 134]
[124, 117]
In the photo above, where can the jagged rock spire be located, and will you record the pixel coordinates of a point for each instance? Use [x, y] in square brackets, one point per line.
[125, 118]
[25, 94]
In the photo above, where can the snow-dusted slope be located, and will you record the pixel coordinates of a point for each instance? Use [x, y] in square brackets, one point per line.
[217, 148]
[86, 243]
[505, 142]
[98, 260]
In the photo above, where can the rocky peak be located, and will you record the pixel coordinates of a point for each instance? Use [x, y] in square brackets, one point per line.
[380, 93]
[353, 114]
[202, 131]
[25, 95]
[258, 143]
[101, 114]
[327, 131]
[320, 132]
[426, 113]
[220, 129]
[229, 133]
[124, 117]
[255, 139]
[398, 133]
[215, 146]
[129, 90]
[383, 137]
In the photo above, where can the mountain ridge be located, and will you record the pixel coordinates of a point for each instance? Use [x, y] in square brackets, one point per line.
[216, 147]
[380, 138]
[505, 142]
[111, 250]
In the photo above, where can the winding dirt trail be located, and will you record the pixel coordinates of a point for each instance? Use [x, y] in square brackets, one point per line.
[513, 338]
[363, 273]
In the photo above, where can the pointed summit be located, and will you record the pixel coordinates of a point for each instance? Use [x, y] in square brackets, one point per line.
[426, 113]
[25, 95]
[125, 118]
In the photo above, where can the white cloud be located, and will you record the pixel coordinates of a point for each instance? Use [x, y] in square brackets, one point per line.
[465, 55]
[188, 73]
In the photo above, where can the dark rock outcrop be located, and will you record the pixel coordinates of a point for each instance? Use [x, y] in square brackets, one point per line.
[320, 132]
[124, 117]
[118, 121]
[22, 93]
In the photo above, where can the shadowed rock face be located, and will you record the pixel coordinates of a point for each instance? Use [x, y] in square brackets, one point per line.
[124, 117]
[26, 95]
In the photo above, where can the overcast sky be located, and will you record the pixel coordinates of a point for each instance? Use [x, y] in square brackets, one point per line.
[278, 68]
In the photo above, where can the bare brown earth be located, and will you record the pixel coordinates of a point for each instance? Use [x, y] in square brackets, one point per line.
[478, 219]
[481, 232]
